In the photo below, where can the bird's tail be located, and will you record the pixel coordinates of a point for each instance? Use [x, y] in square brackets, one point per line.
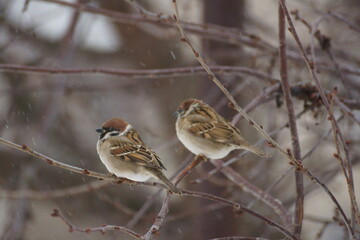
[169, 184]
[247, 146]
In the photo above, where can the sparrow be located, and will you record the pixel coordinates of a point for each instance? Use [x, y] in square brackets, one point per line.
[125, 155]
[204, 132]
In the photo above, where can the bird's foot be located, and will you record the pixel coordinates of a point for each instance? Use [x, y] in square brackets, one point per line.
[201, 157]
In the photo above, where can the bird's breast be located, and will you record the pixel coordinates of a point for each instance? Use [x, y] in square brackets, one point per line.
[119, 167]
[200, 145]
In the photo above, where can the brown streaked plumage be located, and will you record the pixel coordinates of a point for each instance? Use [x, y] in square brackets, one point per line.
[204, 132]
[124, 154]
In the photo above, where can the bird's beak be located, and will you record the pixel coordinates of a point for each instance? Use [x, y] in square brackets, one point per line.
[177, 113]
[100, 130]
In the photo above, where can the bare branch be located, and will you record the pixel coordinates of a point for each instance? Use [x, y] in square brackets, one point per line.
[296, 163]
[345, 20]
[239, 208]
[212, 31]
[246, 186]
[42, 195]
[102, 229]
[142, 74]
[24, 148]
[311, 67]
[299, 204]
[154, 230]
[239, 238]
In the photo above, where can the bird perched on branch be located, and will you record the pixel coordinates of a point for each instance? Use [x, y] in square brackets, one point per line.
[204, 132]
[124, 154]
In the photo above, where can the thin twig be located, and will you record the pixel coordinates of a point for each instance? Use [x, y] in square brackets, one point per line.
[166, 201]
[195, 211]
[347, 110]
[64, 59]
[154, 230]
[346, 164]
[152, 198]
[210, 31]
[246, 186]
[212, 77]
[121, 207]
[41, 195]
[311, 68]
[24, 148]
[325, 44]
[236, 158]
[239, 238]
[297, 164]
[239, 208]
[215, 32]
[142, 74]
[186, 171]
[102, 229]
[257, 101]
[53, 162]
[345, 20]
[299, 203]
[304, 157]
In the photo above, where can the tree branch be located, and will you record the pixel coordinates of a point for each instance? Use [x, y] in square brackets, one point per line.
[24, 148]
[311, 66]
[102, 229]
[299, 204]
[136, 74]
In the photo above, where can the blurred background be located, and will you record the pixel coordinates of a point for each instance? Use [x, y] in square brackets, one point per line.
[110, 45]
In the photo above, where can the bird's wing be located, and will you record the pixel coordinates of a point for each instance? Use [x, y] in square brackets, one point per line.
[206, 123]
[135, 151]
[214, 131]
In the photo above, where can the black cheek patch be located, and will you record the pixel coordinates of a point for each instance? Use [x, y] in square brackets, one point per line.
[102, 135]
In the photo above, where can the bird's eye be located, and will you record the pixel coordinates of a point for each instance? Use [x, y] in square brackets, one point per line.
[114, 133]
